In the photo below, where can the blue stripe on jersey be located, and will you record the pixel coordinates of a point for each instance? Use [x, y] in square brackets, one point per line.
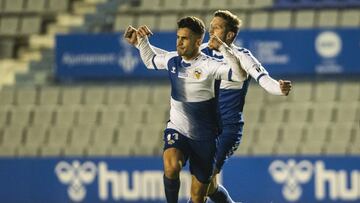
[203, 117]
[177, 86]
[230, 75]
[258, 78]
[231, 102]
[153, 62]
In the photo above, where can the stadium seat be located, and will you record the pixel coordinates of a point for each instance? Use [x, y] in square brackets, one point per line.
[80, 136]
[4, 114]
[157, 114]
[255, 94]
[74, 151]
[322, 112]
[58, 6]
[150, 20]
[20, 116]
[94, 95]
[328, 18]
[252, 113]
[88, 115]
[8, 151]
[123, 21]
[58, 137]
[166, 22]
[174, 5]
[301, 92]
[341, 135]
[49, 95]
[259, 20]
[266, 138]
[111, 116]
[347, 113]
[326, 91]
[104, 136]
[258, 4]
[123, 150]
[291, 137]
[71, 95]
[134, 115]
[65, 116]
[215, 5]
[304, 18]
[35, 136]
[35, 6]
[9, 25]
[51, 151]
[7, 96]
[117, 96]
[26, 96]
[281, 19]
[298, 113]
[350, 92]
[316, 137]
[140, 95]
[43, 115]
[244, 4]
[274, 114]
[13, 6]
[349, 18]
[30, 25]
[13, 137]
[7, 47]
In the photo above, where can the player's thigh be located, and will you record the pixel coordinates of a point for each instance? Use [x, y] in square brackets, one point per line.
[202, 159]
[175, 151]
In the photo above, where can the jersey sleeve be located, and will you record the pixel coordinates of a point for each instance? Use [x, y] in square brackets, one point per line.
[219, 69]
[251, 64]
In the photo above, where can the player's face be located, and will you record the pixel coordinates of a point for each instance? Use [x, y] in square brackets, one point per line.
[187, 43]
[218, 28]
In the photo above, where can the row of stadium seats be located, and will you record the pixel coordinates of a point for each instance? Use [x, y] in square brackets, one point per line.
[32, 6]
[296, 4]
[146, 139]
[259, 19]
[133, 94]
[329, 113]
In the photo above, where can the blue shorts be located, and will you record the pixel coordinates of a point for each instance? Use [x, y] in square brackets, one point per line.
[227, 143]
[200, 153]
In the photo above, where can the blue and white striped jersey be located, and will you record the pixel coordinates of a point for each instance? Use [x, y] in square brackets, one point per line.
[194, 107]
[232, 94]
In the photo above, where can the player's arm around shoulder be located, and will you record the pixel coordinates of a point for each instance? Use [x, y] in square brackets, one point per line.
[237, 72]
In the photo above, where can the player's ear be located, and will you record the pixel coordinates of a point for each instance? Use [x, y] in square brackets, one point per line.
[230, 36]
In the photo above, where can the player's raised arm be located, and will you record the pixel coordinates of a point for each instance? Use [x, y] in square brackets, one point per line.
[238, 73]
[148, 55]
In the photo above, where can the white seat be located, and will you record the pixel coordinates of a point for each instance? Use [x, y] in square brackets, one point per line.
[35, 136]
[326, 91]
[12, 137]
[26, 96]
[94, 95]
[20, 116]
[58, 137]
[304, 18]
[281, 19]
[328, 18]
[9, 25]
[71, 95]
[7, 96]
[259, 20]
[123, 21]
[30, 25]
[167, 22]
[117, 95]
[49, 95]
[350, 92]
[65, 116]
[35, 6]
[88, 115]
[150, 20]
[349, 18]
[13, 6]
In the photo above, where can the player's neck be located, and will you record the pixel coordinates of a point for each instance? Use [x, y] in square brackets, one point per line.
[191, 57]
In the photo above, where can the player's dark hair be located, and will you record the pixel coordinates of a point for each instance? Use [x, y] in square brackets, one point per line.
[193, 23]
[233, 23]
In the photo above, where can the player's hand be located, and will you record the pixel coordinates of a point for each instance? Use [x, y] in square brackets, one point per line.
[143, 31]
[214, 42]
[130, 35]
[285, 86]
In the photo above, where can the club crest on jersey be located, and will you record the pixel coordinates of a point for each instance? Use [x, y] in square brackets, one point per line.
[197, 73]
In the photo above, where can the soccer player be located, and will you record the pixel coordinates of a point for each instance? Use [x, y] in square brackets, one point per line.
[226, 25]
[193, 127]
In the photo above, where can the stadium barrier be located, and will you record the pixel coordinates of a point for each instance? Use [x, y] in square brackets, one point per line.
[138, 180]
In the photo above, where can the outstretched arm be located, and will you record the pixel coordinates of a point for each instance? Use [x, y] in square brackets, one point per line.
[131, 38]
[239, 74]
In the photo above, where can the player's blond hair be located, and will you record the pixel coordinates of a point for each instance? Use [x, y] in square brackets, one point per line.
[233, 23]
